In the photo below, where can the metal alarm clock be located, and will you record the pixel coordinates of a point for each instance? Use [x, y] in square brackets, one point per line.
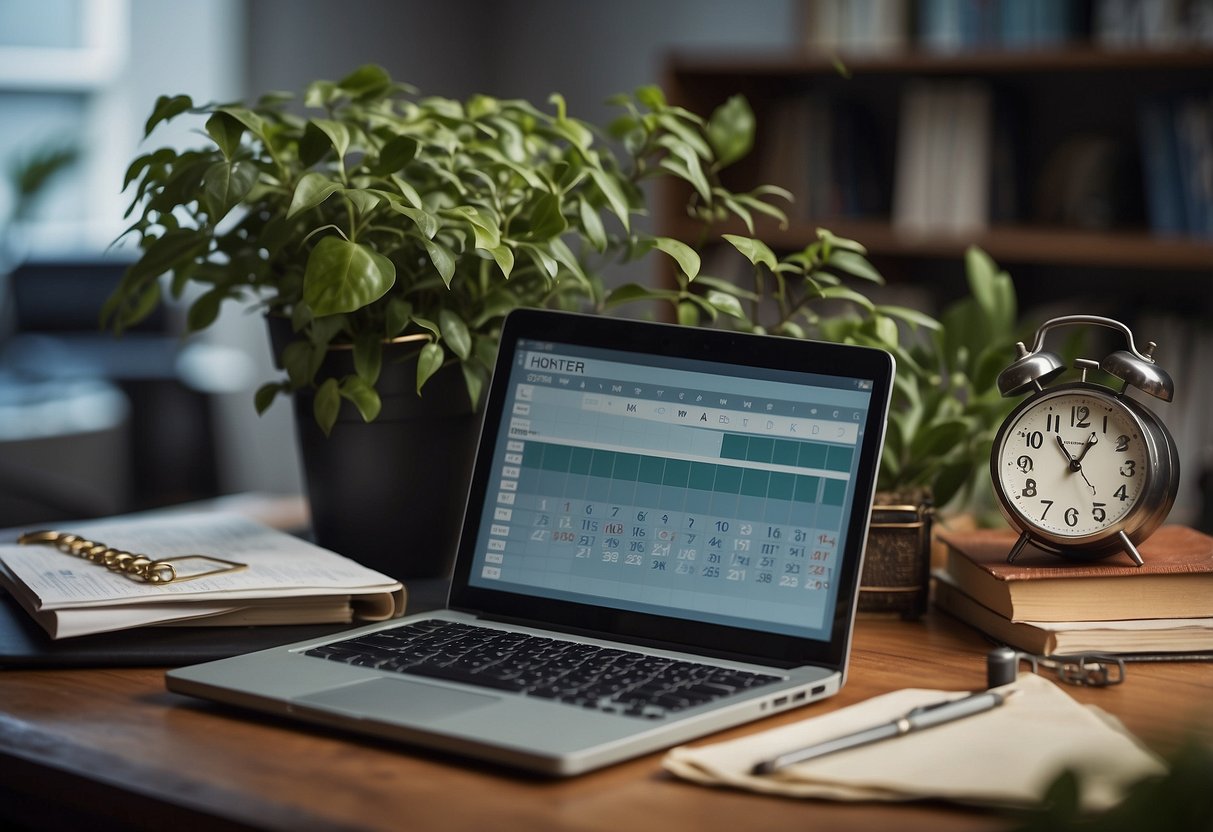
[1080, 469]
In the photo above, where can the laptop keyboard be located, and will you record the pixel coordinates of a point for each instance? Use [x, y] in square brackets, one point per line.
[606, 679]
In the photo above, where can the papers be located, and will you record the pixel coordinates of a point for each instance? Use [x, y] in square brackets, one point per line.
[1004, 757]
[287, 580]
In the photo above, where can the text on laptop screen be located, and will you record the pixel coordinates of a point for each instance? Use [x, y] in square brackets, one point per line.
[696, 489]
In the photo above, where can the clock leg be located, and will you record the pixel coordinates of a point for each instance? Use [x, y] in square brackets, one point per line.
[1131, 550]
[1018, 547]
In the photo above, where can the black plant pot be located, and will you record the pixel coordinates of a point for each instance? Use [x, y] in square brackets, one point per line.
[390, 493]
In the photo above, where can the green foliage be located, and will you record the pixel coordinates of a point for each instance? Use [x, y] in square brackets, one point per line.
[947, 407]
[1178, 801]
[380, 213]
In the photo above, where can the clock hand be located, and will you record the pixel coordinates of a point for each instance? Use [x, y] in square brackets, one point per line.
[1091, 440]
[1074, 466]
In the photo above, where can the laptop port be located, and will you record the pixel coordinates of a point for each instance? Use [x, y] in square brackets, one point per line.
[799, 697]
[819, 689]
[782, 700]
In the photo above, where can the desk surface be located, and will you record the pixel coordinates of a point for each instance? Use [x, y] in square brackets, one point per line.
[115, 744]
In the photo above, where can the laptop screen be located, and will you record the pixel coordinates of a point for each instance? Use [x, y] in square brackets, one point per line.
[714, 489]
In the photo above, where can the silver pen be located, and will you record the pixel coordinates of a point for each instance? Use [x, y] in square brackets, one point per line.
[917, 719]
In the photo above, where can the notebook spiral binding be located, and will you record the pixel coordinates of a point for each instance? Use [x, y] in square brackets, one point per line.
[134, 566]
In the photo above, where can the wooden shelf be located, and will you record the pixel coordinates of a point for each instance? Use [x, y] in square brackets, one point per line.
[1006, 244]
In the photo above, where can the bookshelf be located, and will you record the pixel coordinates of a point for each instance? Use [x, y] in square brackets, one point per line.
[1044, 99]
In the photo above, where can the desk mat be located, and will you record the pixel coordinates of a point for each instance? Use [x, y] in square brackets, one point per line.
[24, 644]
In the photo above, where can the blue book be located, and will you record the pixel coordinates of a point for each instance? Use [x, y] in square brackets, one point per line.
[1160, 165]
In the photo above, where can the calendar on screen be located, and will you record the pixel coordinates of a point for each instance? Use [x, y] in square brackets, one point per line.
[673, 486]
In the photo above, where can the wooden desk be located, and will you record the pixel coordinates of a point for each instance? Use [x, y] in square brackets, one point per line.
[112, 748]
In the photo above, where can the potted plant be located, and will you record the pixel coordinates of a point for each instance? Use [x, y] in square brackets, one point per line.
[385, 234]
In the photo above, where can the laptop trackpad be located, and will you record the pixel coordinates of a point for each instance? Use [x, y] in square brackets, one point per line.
[395, 700]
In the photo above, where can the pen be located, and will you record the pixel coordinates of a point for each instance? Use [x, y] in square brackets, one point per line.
[917, 719]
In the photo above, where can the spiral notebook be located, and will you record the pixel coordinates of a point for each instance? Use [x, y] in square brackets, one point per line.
[663, 537]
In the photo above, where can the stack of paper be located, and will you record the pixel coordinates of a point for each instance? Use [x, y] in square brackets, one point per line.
[285, 580]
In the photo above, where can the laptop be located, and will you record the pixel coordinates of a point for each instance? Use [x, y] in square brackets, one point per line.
[663, 538]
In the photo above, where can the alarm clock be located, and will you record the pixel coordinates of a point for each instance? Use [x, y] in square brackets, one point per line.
[1080, 469]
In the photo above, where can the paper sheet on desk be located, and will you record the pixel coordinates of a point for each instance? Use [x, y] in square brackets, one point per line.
[1006, 756]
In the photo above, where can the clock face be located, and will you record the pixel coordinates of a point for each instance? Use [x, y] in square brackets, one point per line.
[1072, 464]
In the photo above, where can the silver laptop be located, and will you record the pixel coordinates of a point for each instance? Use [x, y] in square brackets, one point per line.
[663, 538]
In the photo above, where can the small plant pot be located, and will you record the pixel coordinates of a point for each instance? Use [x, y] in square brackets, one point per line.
[897, 563]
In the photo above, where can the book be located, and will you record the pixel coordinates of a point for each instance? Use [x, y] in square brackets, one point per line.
[1175, 582]
[280, 579]
[1148, 635]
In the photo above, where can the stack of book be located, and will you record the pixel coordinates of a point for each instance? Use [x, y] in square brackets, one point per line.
[1043, 604]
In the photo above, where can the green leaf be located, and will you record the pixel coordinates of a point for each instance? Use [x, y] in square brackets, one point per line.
[686, 166]
[844, 293]
[408, 191]
[613, 192]
[265, 395]
[368, 356]
[547, 221]
[363, 396]
[950, 479]
[254, 122]
[428, 362]
[174, 248]
[853, 264]
[397, 316]
[756, 251]
[980, 271]
[442, 258]
[504, 256]
[455, 332]
[397, 153]
[426, 222]
[342, 276]
[338, 134]
[939, 438]
[591, 223]
[886, 330]
[313, 189]
[167, 107]
[130, 305]
[910, 316]
[301, 360]
[632, 292]
[204, 310]
[225, 184]
[226, 133]
[686, 133]
[731, 130]
[366, 80]
[683, 254]
[688, 314]
[364, 201]
[326, 405]
[829, 239]
[546, 262]
[486, 229]
[651, 96]
[474, 382]
[727, 304]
